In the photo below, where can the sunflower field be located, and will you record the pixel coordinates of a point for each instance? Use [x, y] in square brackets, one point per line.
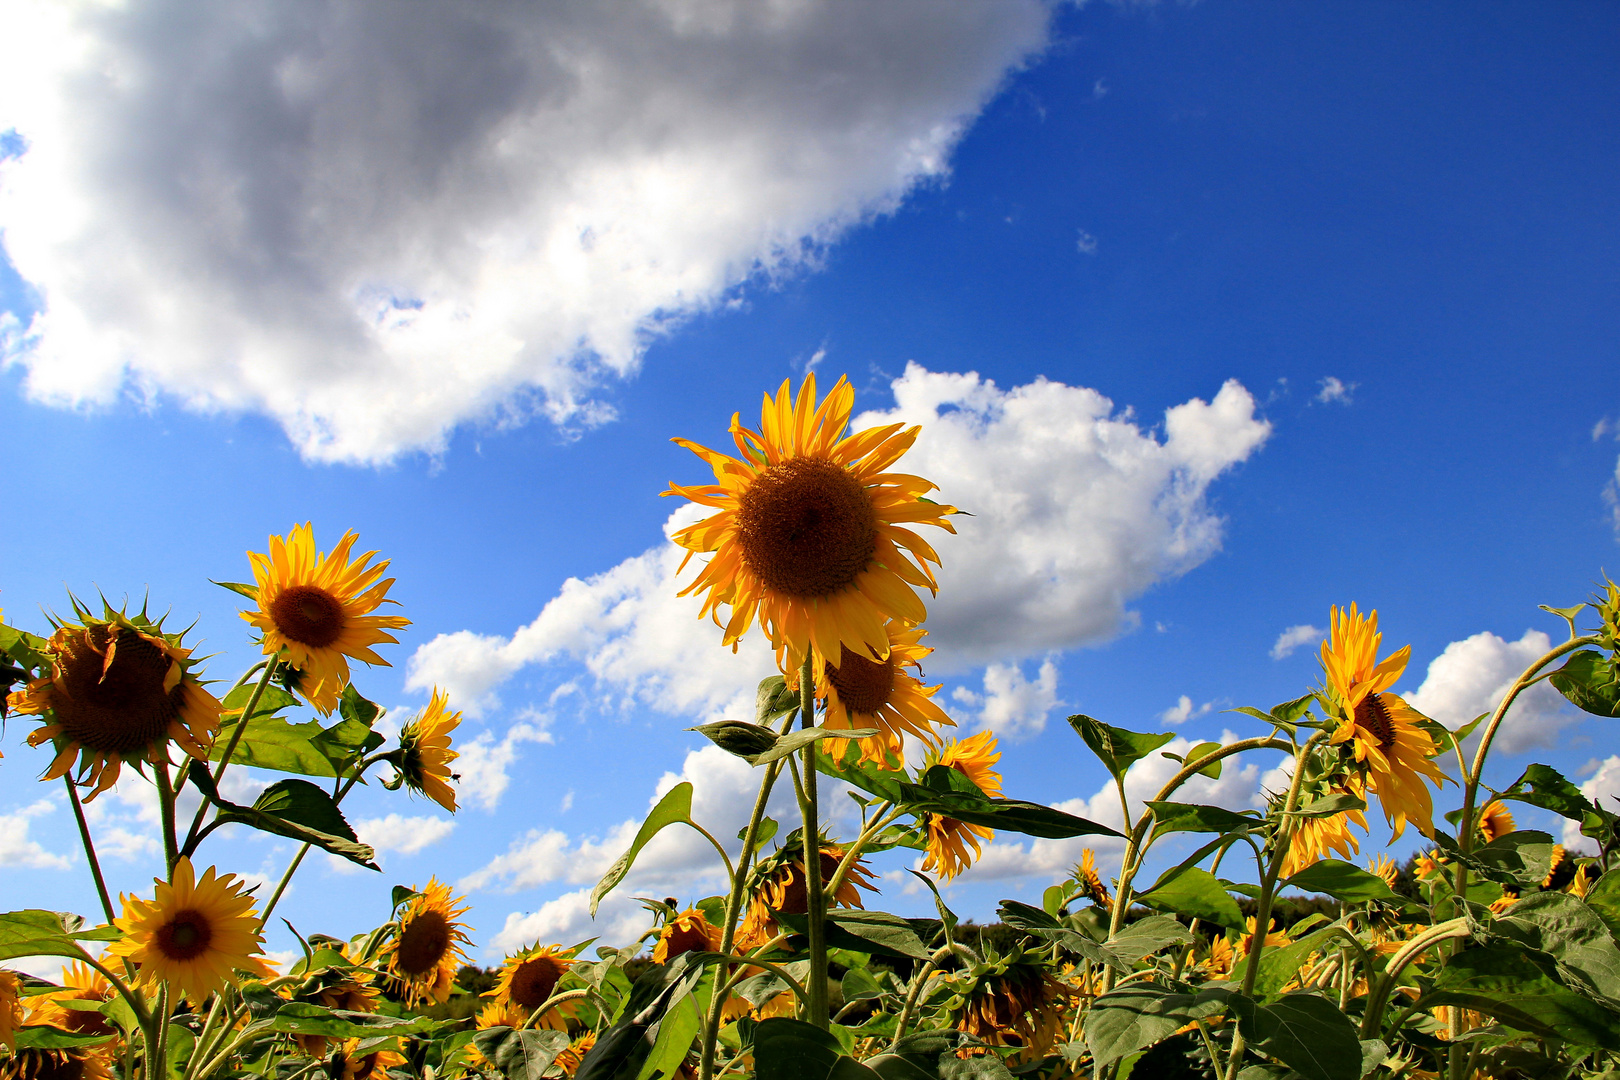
[1495, 954]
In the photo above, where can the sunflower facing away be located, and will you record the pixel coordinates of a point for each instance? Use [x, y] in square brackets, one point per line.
[1381, 727]
[1495, 821]
[810, 529]
[421, 958]
[690, 931]
[193, 935]
[313, 610]
[865, 693]
[949, 839]
[1014, 1003]
[528, 979]
[780, 885]
[1315, 838]
[425, 753]
[1384, 867]
[119, 690]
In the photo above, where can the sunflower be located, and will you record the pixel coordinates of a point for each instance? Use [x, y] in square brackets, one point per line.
[349, 994]
[422, 957]
[1315, 838]
[948, 838]
[193, 935]
[866, 693]
[574, 1053]
[495, 1014]
[1382, 728]
[425, 753]
[79, 1063]
[1581, 883]
[1013, 1002]
[1495, 821]
[690, 931]
[1555, 866]
[810, 529]
[1384, 867]
[119, 690]
[1220, 959]
[1274, 937]
[1428, 864]
[10, 1007]
[1091, 883]
[348, 1063]
[529, 977]
[80, 983]
[780, 886]
[313, 611]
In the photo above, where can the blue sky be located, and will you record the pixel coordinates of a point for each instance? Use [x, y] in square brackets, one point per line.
[246, 291]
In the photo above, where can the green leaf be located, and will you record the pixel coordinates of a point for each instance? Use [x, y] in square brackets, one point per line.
[946, 915]
[1192, 891]
[1604, 900]
[675, 1034]
[399, 895]
[304, 1018]
[1342, 881]
[352, 706]
[1311, 1036]
[1173, 817]
[1329, 805]
[1502, 980]
[747, 741]
[796, 740]
[36, 932]
[50, 1038]
[303, 802]
[864, 775]
[875, 932]
[1279, 964]
[1591, 682]
[1546, 787]
[1141, 1014]
[622, 1049]
[1118, 748]
[520, 1054]
[272, 701]
[299, 797]
[272, 743]
[762, 835]
[857, 985]
[773, 700]
[1574, 935]
[787, 1049]
[673, 807]
[1013, 815]
[1519, 859]
[181, 1042]
[1145, 937]
[1213, 769]
[237, 587]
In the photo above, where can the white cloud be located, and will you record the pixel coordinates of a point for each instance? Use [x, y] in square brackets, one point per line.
[1184, 710]
[567, 919]
[1611, 495]
[484, 761]
[1012, 706]
[1471, 677]
[1605, 786]
[1086, 244]
[394, 833]
[1292, 638]
[375, 222]
[15, 847]
[1332, 389]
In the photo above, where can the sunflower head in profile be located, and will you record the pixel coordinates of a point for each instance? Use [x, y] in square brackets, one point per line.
[421, 958]
[780, 884]
[314, 611]
[1315, 838]
[119, 689]
[1384, 867]
[950, 840]
[1010, 1001]
[193, 935]
[1091, 882]
[1495, 821]
[425, 754]
[574, 1053]
[690, 931]
[529, 977]
[811, 533]
[1382, 730]
[348, 1061]
[862, 692]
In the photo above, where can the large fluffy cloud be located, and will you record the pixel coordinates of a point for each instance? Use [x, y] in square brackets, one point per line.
[1077, 508]
[1471, 677]
[375, 221]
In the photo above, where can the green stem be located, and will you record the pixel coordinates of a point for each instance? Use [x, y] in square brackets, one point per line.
[89, 848]
[882, 821]
[1378, 993]
[171, 848]
[707, 835]
[157, 1065]
[815, 897]
[559, 998]
[297, 860]
[917, 982]
[236, 737]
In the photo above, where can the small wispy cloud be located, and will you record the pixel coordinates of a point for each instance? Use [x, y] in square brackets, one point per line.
[1293, 637]
[1333, 389]
[1086, 243]
[1184, 710]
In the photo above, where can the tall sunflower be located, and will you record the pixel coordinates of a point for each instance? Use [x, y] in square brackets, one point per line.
[690, 931]
[313, 610]
[1383, 729]
[421, 958]
[780, 885]
[948, 838]
[119, 690]
[529, 977]
[193, 935]
[810, 529]
[1495, 821]
[425, 753]
[866, 693]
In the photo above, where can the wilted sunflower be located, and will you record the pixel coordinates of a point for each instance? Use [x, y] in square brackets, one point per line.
[1091, 882]
[1382, 728]
[193, 935]
[690, 931]
[313, 611]
[864, 693]
[421, 958]
[80, 983]
[1495, 821]
[1314, 838]
[529, 977]
[119, 690]
[79, 1063]
[10, 1007]
[574, 1053]
[810, 528]
[425, 753]
[348, 1063]
[1012, 1001]
[948, 838]
[780, 885]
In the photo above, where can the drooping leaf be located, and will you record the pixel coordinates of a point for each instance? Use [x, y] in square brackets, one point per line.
[305, 1018]
[875, 932]
[773, 700]
[1591, 682]
[676, 1031]
[1519, 859]
[1117, 748]
[1141, 1014]
[303, 802]
[1280, 964]
[1310, 1035]
[1194, 892]
[1173, 817]
[1546, 787]
[1502, 980]
[946, 915]
[300, 798]
[673, 807]
[1012, 815]
[1342, 881]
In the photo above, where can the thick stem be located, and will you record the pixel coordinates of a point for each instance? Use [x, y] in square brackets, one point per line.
[171, 847]
[1378, 993]
[816, 899]
[89, 848]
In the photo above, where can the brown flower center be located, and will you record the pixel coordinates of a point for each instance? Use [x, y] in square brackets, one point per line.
[185, 936]
[308, 615]
[34, 1064]
[422, 943]
[112, 708]
[806, 527]
[863, 685]
[684, 935]
[534, 979]
[1373, 715]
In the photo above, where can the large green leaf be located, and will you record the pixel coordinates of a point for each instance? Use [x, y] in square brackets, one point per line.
[1013, 815]
[1118, 748]
[1502, 980]
[1573, 935]
[1141, 1014]
[272, 743]
[1520, 859]
[1591, 681]
[676, 1031]
[1604, 900]
[673, 807]
[787, 1049]
[305, 1018]
[624, 1048]
[1342, 881]
[50, 1038]
[1173, 817]
[1310, 1035]
[1546, 787]
[1195, 892]
[295, 801]
[36, 932]
[875, 932]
